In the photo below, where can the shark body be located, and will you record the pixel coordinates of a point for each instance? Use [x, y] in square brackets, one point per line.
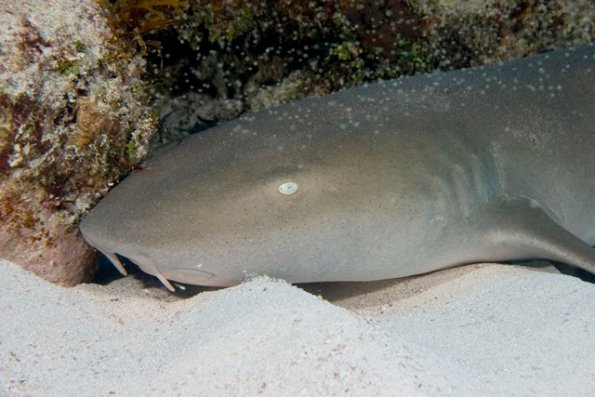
[389, 179]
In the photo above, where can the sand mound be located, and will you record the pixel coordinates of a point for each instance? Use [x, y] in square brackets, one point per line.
[492, 329]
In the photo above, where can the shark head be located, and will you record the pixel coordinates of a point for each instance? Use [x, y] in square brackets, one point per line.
[286, 196]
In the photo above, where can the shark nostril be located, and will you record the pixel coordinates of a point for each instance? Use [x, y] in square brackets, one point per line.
[288, 188]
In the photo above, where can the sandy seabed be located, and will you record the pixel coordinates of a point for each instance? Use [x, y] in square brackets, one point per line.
[492, 330]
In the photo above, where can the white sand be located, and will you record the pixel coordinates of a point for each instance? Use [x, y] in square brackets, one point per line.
[489, 330]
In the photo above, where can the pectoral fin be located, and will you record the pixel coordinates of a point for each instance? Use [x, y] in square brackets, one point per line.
[529, 231]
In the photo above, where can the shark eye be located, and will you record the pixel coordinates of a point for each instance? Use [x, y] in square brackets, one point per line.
[288, 188]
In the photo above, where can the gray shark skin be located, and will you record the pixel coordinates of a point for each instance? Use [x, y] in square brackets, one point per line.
[386, 180]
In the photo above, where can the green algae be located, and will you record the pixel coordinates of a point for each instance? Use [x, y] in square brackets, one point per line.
[67, 67]
[79, 46]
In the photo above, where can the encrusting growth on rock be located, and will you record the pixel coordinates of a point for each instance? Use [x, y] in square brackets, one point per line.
[73, 120]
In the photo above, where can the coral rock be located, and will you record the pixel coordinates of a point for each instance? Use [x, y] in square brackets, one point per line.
[73, 120]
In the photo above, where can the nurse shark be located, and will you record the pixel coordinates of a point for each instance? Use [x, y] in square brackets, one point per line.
[389, 179]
